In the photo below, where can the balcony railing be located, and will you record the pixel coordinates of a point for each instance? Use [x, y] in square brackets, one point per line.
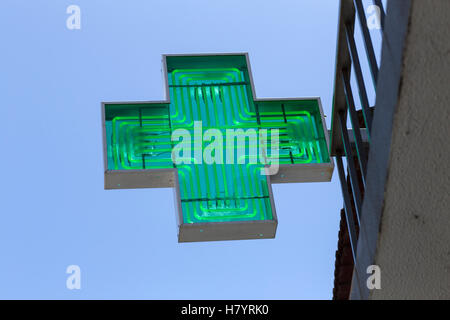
[354, 144]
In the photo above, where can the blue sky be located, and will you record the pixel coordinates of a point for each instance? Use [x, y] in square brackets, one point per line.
[54, 211]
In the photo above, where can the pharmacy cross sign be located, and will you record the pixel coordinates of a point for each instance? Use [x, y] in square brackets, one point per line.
[222, 188]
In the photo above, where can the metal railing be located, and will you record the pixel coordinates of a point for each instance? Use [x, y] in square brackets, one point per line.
[353, 176]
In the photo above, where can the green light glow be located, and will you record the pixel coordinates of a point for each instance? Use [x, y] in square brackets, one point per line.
[215, 90]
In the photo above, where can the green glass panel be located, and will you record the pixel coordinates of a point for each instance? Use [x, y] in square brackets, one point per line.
[215, 90]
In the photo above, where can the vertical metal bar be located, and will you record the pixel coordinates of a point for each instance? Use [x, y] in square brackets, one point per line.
[140, 124]
[258, 118]
[367, 41]
[284, 112]
[359, 78]
[170, 129]
[351, 167]
[382, 12]
[362, 154]
[347, 207]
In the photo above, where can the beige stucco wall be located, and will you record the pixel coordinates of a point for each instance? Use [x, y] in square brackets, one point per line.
[413, 248]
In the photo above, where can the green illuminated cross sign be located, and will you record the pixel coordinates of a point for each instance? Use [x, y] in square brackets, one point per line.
[218, 201]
